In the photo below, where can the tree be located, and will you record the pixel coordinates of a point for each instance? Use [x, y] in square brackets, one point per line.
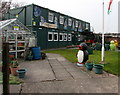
[6, 5]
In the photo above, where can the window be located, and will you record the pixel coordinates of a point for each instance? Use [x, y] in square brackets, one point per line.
[65, 24]
[79, 38]
[65, 36]
[55, 36]
[51, 16]
[73, 25]
[83, 25]
[61, 20]
[50, 36]
[76, 24]
[70, 22]
[56, 20]
[80, 27]
[69, 37]
[61, 37]
[87, 26]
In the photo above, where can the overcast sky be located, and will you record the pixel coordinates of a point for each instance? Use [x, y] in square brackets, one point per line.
[87, 10]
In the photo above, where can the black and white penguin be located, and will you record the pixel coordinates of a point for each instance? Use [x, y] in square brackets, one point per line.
[82, 54]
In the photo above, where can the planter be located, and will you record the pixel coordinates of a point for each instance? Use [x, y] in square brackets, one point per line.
[89, 66]
[29, 58]
[13, 70]
[21, 73]
[98, 68]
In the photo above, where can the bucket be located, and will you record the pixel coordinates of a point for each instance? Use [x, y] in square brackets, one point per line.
[98, 68]
[36, 53]
[21, 73]
[89, 66]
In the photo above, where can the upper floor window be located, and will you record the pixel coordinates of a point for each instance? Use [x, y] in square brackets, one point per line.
[70, 22]
[80, 25]
[76, 24]
[51, 17]
[87, 26]
[61, 20]
[73, 25]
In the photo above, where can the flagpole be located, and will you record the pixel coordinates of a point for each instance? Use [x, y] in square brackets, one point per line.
[102, 59]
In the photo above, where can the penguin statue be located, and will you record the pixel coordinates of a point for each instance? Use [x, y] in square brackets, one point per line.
[112, 45]
[82, 54]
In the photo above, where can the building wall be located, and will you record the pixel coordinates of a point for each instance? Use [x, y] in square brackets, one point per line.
[52, 29]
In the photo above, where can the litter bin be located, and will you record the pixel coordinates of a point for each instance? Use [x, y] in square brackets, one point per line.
[36, 53]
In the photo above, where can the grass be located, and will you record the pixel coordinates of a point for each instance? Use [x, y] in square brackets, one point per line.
[12, 79]
[111, 58]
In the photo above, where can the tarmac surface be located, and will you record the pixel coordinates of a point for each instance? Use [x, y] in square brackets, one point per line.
[55, 74]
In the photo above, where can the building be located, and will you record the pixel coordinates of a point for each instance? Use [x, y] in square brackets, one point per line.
[52, 29]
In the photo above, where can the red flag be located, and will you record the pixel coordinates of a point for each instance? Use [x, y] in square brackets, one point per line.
[109, 6]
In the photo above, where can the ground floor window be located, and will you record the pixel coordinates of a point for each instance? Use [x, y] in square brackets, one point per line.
[69, 37]
[60, 36]
[55, 36]
[65, 36]
[50, 36]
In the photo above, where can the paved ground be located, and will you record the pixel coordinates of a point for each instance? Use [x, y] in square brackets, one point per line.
[55, 74]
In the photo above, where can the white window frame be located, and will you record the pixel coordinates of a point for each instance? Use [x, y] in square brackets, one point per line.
[48, 36]
[65, 23]
[76, 23]
[55, 20]
[84, 25]
[60, 35]
[69, 22]
[69, 37]
[61, 20]
[73, 25]
[54, 36]
[87, 26]
[80, 25]
[65, 36]
[79, 38]
[50, 17]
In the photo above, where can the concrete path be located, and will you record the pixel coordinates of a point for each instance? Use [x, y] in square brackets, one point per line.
[55, 74]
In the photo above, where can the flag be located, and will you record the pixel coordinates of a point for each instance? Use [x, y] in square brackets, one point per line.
[109, 6]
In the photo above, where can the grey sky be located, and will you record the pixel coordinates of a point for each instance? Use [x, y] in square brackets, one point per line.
[87, 10]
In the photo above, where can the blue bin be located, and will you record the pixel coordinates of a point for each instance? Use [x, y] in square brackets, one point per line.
[36, 53]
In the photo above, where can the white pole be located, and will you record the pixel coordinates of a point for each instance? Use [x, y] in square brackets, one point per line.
[103, 35]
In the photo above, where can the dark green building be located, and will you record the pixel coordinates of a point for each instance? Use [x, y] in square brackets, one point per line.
[52, 29]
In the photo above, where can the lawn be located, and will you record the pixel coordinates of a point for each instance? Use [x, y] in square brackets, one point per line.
[111, 58]
[12, 79]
